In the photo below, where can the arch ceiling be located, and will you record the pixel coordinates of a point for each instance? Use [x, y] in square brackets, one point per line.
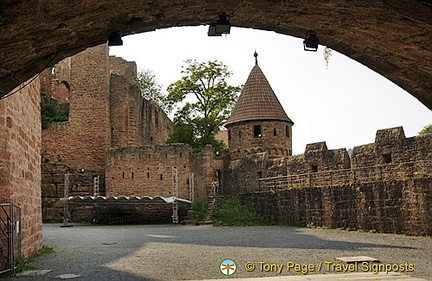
[392, 37]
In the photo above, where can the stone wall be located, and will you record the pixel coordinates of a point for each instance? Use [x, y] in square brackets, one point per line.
[20, 158]
[275, 138]
[243, 175]
[148, 171]
[80, 183]
[134, 120]
[390, 147]
[402, 207]
[82, 142]
[106, 110]
[318, 158]
[126, 214]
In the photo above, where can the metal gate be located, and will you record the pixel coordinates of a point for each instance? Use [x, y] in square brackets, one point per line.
[10, 237]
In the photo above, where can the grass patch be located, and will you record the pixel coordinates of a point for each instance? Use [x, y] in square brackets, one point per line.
[230, 212]
[23, 263]
[199, 207]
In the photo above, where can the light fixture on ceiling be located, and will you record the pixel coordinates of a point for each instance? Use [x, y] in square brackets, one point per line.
[115, 39]
[221, 26]
[311, 41]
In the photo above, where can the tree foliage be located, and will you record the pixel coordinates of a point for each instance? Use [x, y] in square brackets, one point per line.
[426, 130]
[207, 101]
[150, 89]
[51, 113]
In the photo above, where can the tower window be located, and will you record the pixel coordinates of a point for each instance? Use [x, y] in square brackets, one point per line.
[229, 135]
[287, 132]
[239, 134]
[257, 131]
[274, 132]
[314, 168]
[387, 158]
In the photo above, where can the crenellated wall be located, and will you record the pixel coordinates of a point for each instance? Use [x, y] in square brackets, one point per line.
[386, 187]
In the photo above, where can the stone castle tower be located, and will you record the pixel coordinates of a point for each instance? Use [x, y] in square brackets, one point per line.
[258, 122]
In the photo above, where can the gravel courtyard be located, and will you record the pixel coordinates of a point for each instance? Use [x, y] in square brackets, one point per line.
[148, 252]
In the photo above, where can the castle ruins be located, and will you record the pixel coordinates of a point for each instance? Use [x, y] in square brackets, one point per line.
[115, 138]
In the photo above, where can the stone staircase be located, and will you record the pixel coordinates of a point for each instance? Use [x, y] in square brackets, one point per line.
[208, 216]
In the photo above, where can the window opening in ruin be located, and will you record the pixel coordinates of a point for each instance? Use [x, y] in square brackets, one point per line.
[314, 168]
[257, 131]
[259, 173]
[387, 158]
[123, 175]
[161, 177]
[132, 175]
[181, 154]
[239, 134]
[148, 175]
[274, 132]
[287, 134]
[229, 135]
[166, 155]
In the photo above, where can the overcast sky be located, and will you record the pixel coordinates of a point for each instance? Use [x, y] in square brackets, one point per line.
[343, 105]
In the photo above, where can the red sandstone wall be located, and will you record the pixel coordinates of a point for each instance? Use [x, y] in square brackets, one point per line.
[135, 121]
[318, 157]
[147, 171]
[402, 207]
[20, 158]
[82, 142]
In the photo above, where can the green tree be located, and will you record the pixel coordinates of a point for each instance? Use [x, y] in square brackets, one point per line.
[150, 89]
[426, 130]
[207, 103]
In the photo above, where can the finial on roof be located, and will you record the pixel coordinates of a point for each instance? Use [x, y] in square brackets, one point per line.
[256, 58]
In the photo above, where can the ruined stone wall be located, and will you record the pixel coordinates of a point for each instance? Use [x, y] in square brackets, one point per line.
[147, 171]
[20, 158]
[134, 120]
[123, 213]
[391, 146]
[402, 207]
[82, 142]
[391, 157]
[243, 175]
[318, 158]
[275, 139]
[80, 183]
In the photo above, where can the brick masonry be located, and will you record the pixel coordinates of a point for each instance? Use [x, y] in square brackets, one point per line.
[20, 158]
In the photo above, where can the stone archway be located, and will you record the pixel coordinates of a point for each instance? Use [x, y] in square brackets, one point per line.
[390, 37]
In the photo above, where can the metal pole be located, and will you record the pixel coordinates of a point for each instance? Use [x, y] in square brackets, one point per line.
[175, 194]
[65, 202]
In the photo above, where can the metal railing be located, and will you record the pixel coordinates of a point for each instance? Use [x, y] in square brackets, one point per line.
[398, 171]
[10, 237]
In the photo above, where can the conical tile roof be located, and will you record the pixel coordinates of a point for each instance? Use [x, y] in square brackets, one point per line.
[257, 101]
